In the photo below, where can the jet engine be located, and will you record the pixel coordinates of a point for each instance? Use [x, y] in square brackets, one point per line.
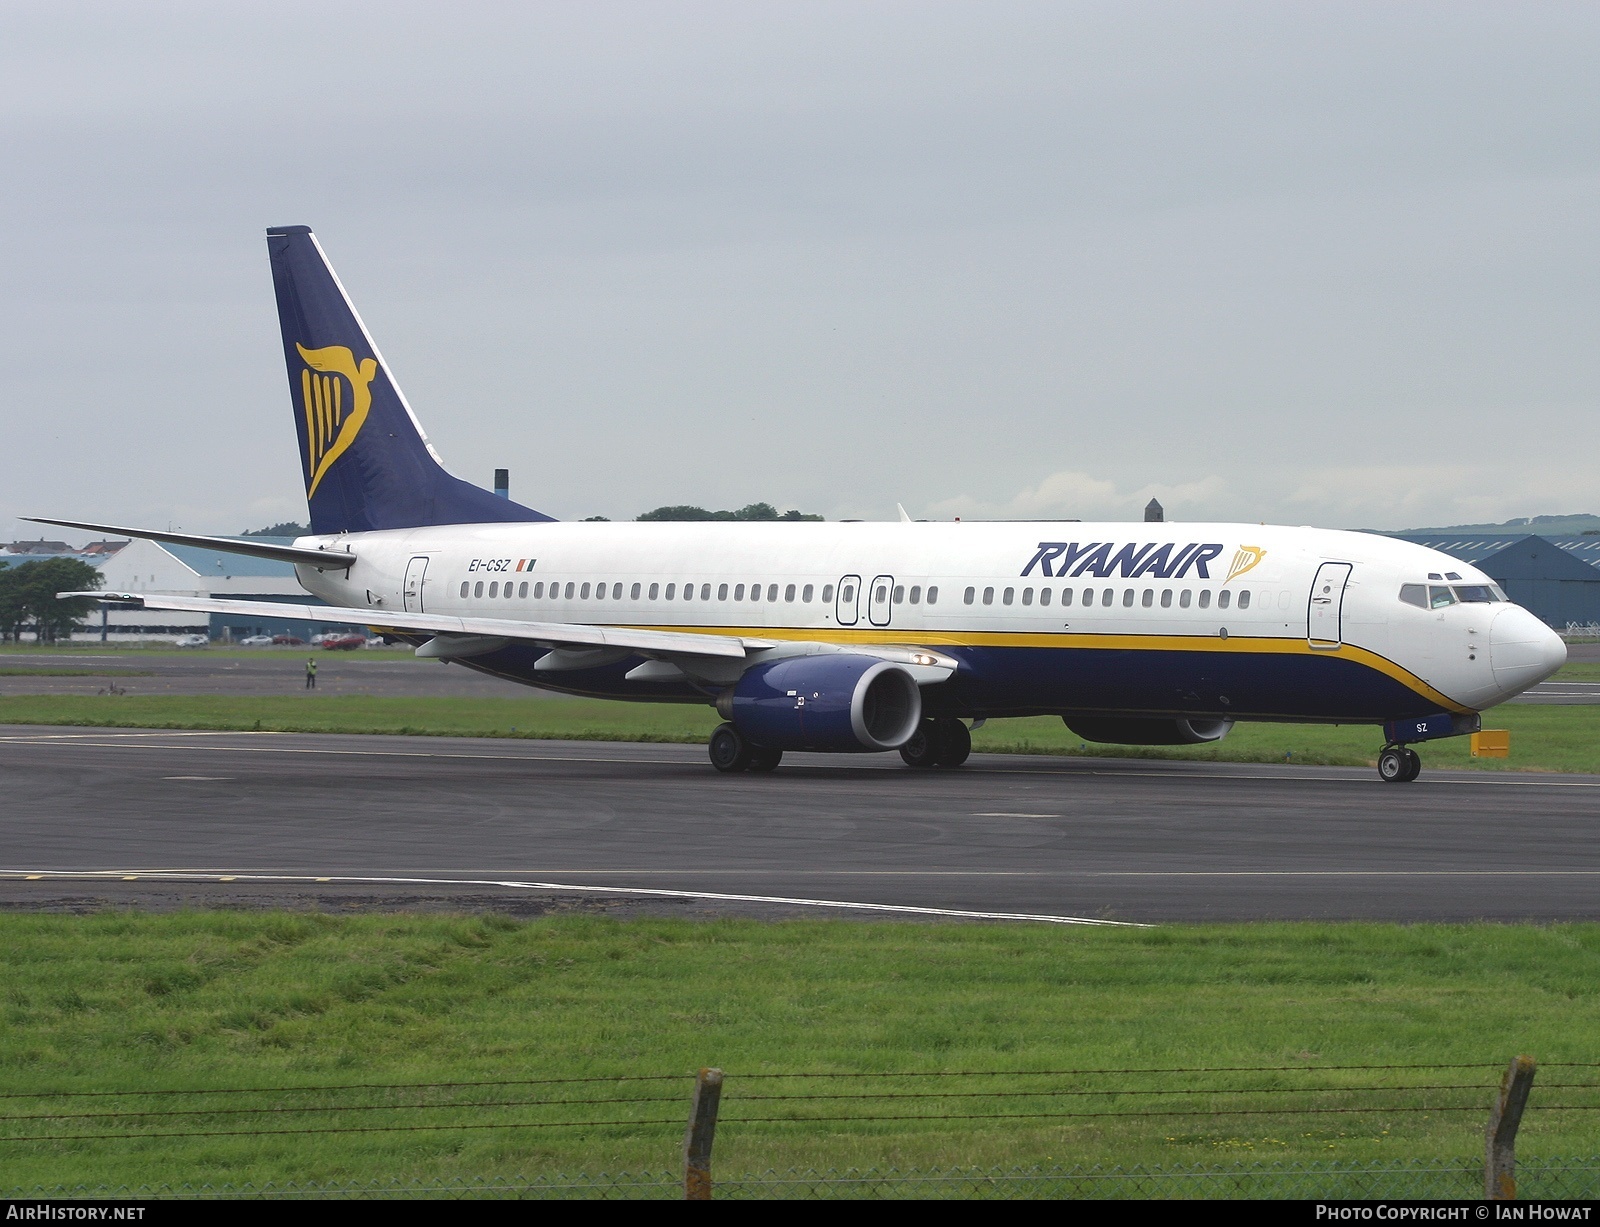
[1135, 731]
[835, 701]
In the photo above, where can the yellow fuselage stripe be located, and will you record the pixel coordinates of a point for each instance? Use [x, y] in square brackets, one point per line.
[1246, 644]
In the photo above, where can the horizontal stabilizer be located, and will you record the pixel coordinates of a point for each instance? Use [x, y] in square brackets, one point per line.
[330, 560]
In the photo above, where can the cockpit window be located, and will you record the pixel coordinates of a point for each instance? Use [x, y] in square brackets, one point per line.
[1438, 598]
[1414, 594]
[1475, 593]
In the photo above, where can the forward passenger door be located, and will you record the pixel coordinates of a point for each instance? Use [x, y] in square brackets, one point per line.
[1324, 614]
[411, 596]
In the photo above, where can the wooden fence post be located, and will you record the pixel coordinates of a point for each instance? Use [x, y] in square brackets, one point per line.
[1500, 1157]
[697, 1139]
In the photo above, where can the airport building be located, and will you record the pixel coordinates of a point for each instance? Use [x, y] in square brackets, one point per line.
[1556, 576]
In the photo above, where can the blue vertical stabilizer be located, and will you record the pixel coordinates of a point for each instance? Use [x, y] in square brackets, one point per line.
[368, 465]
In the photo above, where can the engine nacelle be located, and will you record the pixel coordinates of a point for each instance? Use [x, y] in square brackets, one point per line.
[1134, 731]
[835, 701]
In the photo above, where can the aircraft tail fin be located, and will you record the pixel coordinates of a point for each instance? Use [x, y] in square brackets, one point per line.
[367, 463]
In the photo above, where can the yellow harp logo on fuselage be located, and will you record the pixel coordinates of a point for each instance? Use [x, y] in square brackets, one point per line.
[332, 423]
[1245, 557]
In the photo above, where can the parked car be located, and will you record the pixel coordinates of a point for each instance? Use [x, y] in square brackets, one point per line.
[292, 641]
[256, 641]
[342, 643]
[194, 641]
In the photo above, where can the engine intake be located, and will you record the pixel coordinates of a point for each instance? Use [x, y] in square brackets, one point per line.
[838, 701]
[1134, 731]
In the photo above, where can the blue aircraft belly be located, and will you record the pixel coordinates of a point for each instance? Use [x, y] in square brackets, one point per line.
[1019, 681]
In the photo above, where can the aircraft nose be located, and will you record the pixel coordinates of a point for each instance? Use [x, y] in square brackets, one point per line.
[1523, 651]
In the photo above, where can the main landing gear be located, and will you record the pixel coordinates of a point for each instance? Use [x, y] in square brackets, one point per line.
[731, 751]
[1399, 765]
[938, 743]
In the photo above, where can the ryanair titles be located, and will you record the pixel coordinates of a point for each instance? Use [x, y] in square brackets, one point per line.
[1103, 559]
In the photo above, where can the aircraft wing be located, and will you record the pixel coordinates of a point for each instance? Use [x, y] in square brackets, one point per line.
[709, 657]
[545, 634]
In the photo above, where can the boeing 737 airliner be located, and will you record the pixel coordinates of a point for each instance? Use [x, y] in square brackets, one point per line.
[865, 637]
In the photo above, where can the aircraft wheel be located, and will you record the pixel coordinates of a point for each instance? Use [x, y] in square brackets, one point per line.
[923, 748]
[729, 750]
[1393, 765]
[764, 759]
[957, 743]
[1413, 764]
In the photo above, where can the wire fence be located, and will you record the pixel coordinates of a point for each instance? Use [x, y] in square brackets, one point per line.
[785, 1109]
[1565, 1179]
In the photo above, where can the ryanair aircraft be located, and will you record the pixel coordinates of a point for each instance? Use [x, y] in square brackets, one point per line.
[866, 637]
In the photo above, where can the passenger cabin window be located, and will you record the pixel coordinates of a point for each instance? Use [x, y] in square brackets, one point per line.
[616, 592]
[1244, 600]
[755, 592]
[1205, 598]
[1088, 596]
[1127, 598]
[655, 591]
[583, 593]
[672, 591]
[1106, 597]
[1223, 598]
[1184, 598]
[705, 592]
[738, 592]
[465, 587]
[899, 594]
[805, 593]
[494, 589]
[722, 592]
[538, 590]
[1008, 596]
[570, 587]
[970, 594]
[916, 594]
[772, 592]
[633, 593]
[1066, 596]
[933, 595]
[1044, 596]
[522, 590]
[1149, 598]
[1166, 598]
[477, 588]
[827, 593]
[1438, 598]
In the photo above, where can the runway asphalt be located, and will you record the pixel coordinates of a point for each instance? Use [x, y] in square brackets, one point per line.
[101, 817]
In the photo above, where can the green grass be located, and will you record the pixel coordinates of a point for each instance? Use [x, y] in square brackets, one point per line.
[1543, 737]
[122, 1002]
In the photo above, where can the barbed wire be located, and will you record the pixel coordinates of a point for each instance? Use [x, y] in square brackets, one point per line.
[347, 1086]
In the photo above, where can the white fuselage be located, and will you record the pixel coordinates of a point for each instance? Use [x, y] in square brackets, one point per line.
[984, 586]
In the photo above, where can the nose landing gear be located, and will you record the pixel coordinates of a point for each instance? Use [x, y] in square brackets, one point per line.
[1399, 765]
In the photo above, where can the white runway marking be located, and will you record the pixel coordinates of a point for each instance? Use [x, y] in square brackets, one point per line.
[899, 909]
[1271, 776]
[197, 777]
[1005, 815]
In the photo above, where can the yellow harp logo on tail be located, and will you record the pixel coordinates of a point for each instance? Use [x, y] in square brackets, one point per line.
[1245, 557]
[332, 423]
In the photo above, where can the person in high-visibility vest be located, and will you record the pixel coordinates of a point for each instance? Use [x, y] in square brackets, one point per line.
[311, 673]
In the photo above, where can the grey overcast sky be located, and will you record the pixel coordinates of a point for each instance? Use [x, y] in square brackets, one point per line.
[1318, 263]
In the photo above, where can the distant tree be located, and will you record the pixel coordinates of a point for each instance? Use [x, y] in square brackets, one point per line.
[28, 597]
[752, 511]
[596, 519]
[287, 529]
